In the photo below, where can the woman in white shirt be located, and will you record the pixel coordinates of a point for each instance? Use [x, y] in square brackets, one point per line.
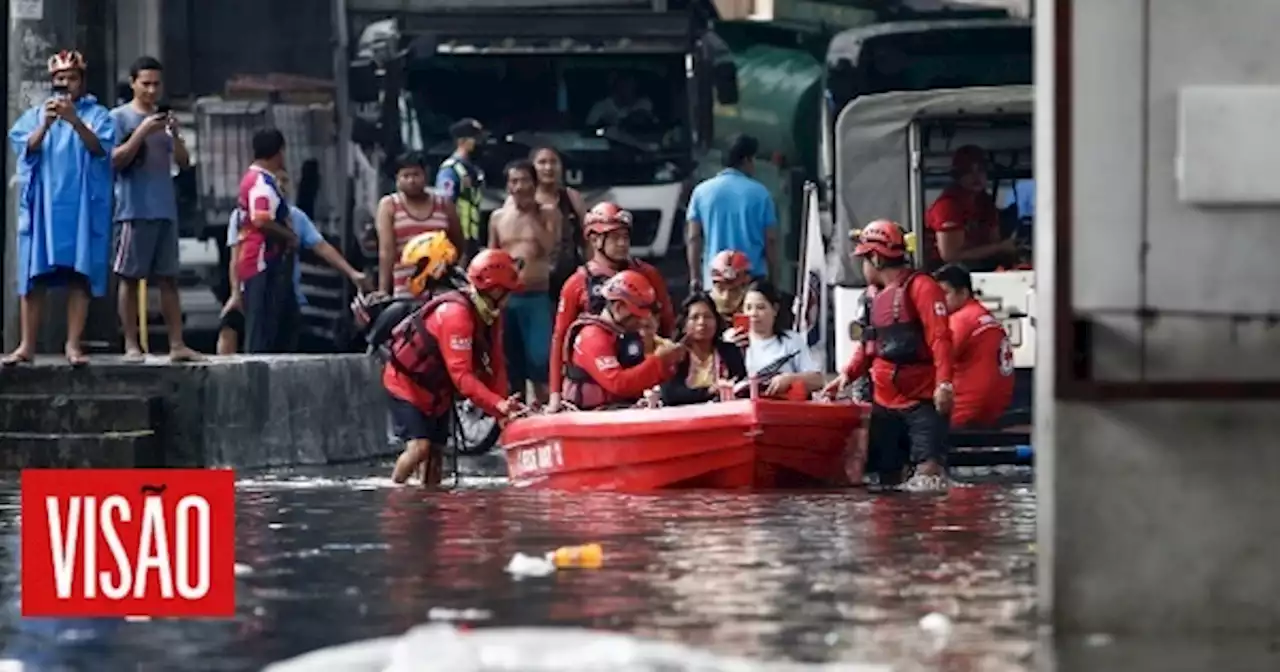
[778, 356]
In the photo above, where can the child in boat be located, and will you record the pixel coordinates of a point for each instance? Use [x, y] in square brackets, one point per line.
[730, 277]
[712, 363]
[606, 365]
[780, 357]
[608, 230]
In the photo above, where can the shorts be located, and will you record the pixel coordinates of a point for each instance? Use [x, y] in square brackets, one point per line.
[233, 320]
[526, 338]
[410, 424]
[147, 248]
[898, 437]
[272, 316]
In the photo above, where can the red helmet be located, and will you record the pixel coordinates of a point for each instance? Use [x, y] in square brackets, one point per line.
[883, 237]
[633, 290]
[731, 266]
[605, 218]
[494, 269]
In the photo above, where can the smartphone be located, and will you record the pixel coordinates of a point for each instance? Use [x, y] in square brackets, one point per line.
[741, 322]
[163, 109]
[59, 90]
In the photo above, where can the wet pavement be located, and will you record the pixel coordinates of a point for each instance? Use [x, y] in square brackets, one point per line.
[339, 555]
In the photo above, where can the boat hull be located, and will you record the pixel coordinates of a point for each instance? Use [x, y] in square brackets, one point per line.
[758, 444]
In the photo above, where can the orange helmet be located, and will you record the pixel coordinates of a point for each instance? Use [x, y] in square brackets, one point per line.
[66, 60]
[883, 237]
[633, 290]
[605, 218]
[494, 269]
[731, 266]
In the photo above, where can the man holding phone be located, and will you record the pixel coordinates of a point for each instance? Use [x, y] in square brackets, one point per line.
[64, 204]
[147, 208]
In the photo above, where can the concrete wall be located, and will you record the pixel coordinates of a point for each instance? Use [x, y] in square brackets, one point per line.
[1159, 517]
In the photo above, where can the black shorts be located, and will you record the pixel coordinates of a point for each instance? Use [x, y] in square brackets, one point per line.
[233, 320]
[897, 438]
[411, 424]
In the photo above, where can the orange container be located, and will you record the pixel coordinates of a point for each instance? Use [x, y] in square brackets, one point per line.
[589, 556]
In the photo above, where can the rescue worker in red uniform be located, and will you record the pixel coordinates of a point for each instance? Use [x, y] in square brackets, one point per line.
[906, 346]
[982, 352]
[605, 364]
[450, 346]
[963, 224]
[608, 231]
[730, 277]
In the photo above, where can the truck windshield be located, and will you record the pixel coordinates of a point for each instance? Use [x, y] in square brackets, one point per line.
[594, 109]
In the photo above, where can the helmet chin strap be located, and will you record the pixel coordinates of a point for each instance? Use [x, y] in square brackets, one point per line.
[617, 263]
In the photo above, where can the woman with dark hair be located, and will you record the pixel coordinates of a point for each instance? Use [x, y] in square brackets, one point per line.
[552, 194]
[778, 356]
[711, 361]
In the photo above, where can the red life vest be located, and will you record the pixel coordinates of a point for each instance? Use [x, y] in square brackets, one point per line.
[895, 327]
[415, 352]
[580, 389]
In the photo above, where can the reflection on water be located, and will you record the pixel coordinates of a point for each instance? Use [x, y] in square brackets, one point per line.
[809, 577]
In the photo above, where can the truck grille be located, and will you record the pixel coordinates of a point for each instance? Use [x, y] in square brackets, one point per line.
[644, 227]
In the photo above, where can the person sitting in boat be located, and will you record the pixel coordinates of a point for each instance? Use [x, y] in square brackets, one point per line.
[605, 363]
[982, 353]
[608, 231]
[777, 358]
[906, 347]
[712, 362]
[452, 345]
[730, 277]
[432, 258]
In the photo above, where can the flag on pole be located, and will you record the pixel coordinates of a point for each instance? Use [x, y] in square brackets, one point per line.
[811, 302]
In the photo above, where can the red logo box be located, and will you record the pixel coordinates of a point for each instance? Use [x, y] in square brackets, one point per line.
[128, 542]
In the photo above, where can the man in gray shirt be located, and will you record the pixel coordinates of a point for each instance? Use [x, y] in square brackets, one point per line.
[146, 207]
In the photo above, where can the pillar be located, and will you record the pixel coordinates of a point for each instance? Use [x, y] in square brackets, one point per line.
[1159, 410]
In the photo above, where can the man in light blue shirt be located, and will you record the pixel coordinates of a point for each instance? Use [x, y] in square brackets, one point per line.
[732, 211]
[309, 238]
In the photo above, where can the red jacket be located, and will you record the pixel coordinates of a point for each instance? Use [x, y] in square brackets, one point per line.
[573, 302]
[900, 387]
[983, 366]
[595, 351]
[456, 331]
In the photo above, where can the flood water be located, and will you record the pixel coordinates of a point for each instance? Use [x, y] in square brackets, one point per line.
[340, 555]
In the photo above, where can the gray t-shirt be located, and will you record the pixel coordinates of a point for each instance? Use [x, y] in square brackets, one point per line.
[144, 189]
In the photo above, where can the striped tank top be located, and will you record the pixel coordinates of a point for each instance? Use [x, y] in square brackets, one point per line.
[406, 227]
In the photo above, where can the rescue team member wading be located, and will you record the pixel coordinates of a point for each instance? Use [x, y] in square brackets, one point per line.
[730, 276]
[410, 211]
[606, 363]
[459, 180]
[907, 348]
[451, 345]
[608, 229]
[982, 352]
[963, 223]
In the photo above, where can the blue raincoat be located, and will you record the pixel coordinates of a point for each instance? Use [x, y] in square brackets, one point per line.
[64, 203]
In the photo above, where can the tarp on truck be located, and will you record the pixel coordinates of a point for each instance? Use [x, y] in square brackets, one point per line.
[872, 162]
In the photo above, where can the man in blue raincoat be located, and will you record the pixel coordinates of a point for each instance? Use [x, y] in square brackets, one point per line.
[63, 147]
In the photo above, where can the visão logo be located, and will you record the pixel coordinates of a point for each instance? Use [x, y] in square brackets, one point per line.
[128, 542]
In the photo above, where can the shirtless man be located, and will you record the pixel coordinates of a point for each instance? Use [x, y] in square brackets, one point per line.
[528, 232]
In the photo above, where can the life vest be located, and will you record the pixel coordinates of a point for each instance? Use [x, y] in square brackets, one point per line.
[580, 389]
[415, 352]
[895, 327]
[468, 203]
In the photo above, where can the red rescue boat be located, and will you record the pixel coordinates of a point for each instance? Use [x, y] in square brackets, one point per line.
[746, 444]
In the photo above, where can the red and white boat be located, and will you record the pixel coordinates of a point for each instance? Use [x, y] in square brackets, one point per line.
[753, 444]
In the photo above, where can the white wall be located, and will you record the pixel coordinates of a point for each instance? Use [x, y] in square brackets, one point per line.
[1159, 517]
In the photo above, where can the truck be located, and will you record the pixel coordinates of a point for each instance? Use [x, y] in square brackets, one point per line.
[901, 97]
[531, 71]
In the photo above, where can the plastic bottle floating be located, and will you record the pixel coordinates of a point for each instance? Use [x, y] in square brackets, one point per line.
[588, 556]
